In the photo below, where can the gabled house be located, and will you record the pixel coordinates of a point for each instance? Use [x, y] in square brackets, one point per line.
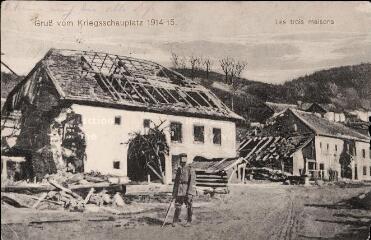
[328, 111]
[335, 150]
[80, 107]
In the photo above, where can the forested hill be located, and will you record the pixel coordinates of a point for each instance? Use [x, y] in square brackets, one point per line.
[347, 87]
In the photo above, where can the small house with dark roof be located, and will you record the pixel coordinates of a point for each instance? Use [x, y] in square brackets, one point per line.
[82, 106]
[328, 111]
[334, 151]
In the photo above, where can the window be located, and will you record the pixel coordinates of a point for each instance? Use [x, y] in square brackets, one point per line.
[363, 153]
[328, 147]
[364, 170]
[370, 171]
[321, 166]
[320, 146]
[117, 120]
[116, 164]
[176, 132]
[217, 136]
[336, 148]
[146, 123]
[198, 133]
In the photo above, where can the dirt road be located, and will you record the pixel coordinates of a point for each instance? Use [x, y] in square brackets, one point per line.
[253, 211]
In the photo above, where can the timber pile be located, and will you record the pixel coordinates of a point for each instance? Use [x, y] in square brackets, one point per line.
[213, 180]
[73, 192]
[268, 174]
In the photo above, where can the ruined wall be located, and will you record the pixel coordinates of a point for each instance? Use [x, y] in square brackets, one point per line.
[51, 133]
[284, 125]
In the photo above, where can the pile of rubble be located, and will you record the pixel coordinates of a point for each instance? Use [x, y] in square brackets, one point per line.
[74, 192]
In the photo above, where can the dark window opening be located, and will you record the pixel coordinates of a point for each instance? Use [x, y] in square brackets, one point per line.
[176, 132]
[364, 170]
[364, 153]
[116, 165]
[198, 133]
[217, 136]
[321, 166]
[336, 148]
[117, 120]
[146, 123]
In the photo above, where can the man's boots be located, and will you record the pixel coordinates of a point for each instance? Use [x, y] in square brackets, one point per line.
[176, 215]
[189, 216]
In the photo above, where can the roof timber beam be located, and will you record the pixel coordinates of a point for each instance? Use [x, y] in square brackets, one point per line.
[171, 95]
[148, 93]
[204, 99]
[110, 87]
[159, 93]
[136, 91]
[123, 89]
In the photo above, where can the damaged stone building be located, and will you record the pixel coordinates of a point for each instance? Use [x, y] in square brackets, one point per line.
[320, 148]
[78, 108]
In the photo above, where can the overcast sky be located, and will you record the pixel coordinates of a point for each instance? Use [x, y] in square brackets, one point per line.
[246, 30]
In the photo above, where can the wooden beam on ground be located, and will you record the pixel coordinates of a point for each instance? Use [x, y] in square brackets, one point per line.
[42, 197]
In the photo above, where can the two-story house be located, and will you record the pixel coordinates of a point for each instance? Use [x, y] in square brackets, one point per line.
[84, 105]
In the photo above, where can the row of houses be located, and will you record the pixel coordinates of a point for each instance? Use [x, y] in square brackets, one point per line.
[80, 108]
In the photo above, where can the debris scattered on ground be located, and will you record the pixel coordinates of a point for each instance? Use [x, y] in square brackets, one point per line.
[76, 192]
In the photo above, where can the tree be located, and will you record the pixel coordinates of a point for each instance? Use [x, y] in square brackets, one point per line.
[194, 61]
[236, 69]
[183, 62]
[207, 62]
[147, 151]
[175, 60]
[226, 65]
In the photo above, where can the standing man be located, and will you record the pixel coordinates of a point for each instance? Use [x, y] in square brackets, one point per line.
[183, 189]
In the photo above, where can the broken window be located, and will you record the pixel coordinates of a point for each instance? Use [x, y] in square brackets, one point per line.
[176, 132]
[116, 164]
[217, 136]
[118, 120]
[198, 133]
[146, 125]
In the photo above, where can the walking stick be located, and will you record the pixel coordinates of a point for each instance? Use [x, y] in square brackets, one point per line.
[168, 210]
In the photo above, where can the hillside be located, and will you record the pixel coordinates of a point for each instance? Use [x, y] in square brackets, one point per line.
[347, 87]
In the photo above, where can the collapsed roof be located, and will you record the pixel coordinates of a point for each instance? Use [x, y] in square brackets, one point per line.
[119, 81]
[271, 148]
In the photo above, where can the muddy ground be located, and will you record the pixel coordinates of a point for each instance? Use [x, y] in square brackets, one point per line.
[251, 211]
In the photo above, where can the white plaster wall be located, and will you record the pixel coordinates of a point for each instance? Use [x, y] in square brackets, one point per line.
[330, 158]
[298, 162]
[362, 161]
[106, 142]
